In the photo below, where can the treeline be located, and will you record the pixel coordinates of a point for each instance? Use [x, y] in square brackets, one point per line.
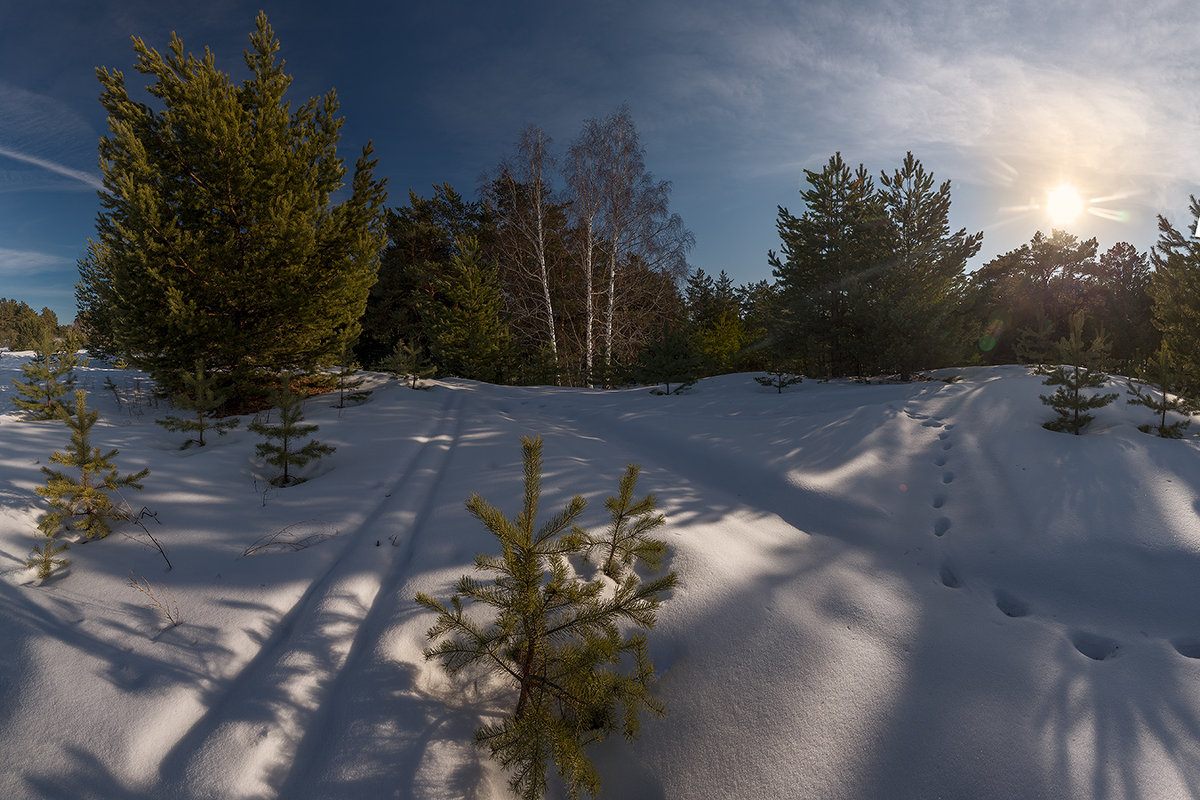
[22, 328]
[563, 269]
[522, 284]
[564, 266]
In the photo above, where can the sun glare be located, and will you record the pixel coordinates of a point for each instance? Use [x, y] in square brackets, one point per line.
[1063, 204]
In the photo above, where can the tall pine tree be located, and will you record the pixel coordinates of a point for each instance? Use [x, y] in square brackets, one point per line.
[1175, 288]
[219, 238]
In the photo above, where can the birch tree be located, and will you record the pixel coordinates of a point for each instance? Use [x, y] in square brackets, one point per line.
[522, 194]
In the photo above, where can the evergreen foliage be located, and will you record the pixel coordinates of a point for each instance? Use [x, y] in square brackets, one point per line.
[21, 328]
[779, 377]
[1175, 290]
[627, 539]
[918, 295]
[80, 500]
[669, 359]
[47, 377]
[555, 638]
[410, 362]
[286, 453]
[199, 396]
[422, 240]
[1159, 376]
[218, 239]
[1076, 372]
[468, 337]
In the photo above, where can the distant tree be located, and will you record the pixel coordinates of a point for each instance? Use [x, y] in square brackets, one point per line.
[1159, 376]
[281, 448]
[47, 377]
[638, 232]
[828, 257]
[22, 328]
[199, 396]
[527, 216]
[560, 643]
[1077, 371]
[1121, 280]
[1046, 279]
[468, 337]
[422, 241]
[669, 359]
[1175, 289]
[585, 181]
[779, 377]
[218, 237]
[80, 500]
[918, 296]
[409, 362]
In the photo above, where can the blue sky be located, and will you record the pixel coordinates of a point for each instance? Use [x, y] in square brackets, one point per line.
[732, 100]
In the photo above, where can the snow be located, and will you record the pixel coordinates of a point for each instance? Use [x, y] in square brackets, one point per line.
[897, 590]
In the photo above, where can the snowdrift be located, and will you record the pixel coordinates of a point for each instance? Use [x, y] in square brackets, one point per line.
[899, 590]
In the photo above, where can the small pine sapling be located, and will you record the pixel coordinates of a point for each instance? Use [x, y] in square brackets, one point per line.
[201, 397]
[286, 454]
[408, 361]
[81, 501]
[1158, 377]
[1076, 373]
[47, 378]
[627, 539]
[48, 557]
[554, 639]
[779, 376]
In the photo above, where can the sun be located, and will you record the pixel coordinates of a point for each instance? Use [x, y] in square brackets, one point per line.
[1063, 204]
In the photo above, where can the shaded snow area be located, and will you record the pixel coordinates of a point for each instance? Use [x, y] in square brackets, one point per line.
[886, 591]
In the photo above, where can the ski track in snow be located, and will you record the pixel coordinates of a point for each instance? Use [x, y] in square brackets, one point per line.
[252, 730]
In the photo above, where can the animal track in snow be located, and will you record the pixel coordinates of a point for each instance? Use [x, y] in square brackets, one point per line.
[943, 435]
[939, 461]
[1011, 606]
[1095, 646]
[940, 526]
[947, 445]
[939, 500]
[1188, 646]
[947, 477]
[949, 577]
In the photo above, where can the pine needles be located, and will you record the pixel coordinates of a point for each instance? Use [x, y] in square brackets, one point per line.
[559, 641]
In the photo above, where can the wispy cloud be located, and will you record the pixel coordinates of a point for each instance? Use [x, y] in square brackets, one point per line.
[83, 177]
[27, 262]
[45, 133]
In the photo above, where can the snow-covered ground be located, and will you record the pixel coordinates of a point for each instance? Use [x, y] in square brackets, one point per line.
[886, 591]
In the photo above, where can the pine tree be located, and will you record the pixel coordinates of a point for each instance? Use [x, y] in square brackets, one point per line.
[627, 539]
[81, 501]
[554, 639]
[1175, 288]
[1076, 372]
[285, 454]
[780, 376]
[669, 359]
[218, 237]
[199, 396]
[468, 336]
[408, 361]
[47, 378]
[1159, 376]
[348, 380]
